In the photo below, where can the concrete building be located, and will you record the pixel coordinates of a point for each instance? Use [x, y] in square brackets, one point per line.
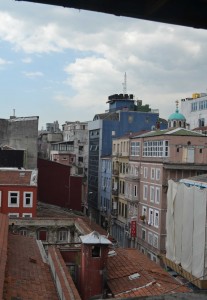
[77, 134]
[52, 134]
[125, 115]
[186, 248]
[195, 111]
[120, 212]
[20, 133]
[163, 155]
[18, 192]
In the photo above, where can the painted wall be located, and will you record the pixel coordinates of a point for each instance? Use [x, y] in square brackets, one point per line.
[5, 209]
[56, 186]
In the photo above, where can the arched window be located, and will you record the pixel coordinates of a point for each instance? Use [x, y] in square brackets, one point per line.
[42, 234]
[63, 234]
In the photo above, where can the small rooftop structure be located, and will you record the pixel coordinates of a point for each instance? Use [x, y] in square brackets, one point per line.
[95, 238]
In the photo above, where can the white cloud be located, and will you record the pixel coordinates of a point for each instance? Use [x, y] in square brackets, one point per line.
[27, 60]
[33, 74]
[163, 62]
[4, 62]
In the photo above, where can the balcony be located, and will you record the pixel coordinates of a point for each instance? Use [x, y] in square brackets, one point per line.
[114, 213]
[115, 192]
[115, 172]
[132, 177]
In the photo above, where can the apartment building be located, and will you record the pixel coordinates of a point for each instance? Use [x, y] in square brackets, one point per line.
[120, 162]
[73, 149]
[194, 109]
[174, 153]
[125, 115]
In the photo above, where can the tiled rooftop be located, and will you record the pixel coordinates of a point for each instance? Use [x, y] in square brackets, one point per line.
[27, 276]
[171, 131]
[15, 176]
[152, 280]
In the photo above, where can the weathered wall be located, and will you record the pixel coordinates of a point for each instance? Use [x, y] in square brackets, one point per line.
[21, 134]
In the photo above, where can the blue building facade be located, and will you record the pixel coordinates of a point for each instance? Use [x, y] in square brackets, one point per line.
[125, 115]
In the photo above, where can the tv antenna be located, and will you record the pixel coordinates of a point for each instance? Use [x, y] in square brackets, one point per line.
[125, 84]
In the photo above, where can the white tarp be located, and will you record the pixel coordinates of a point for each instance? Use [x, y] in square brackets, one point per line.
[185, 224]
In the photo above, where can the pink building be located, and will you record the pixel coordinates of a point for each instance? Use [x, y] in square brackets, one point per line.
[174, 153]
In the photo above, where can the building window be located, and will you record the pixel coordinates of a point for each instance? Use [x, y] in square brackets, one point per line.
[122, 209]
[13, 200]
[135, 148]
[152, 173]
[155, 241]
[96, 251]
[42, 234]
[145, 192]
[150, 238]
[201, 122]
[150, 216]
[125, 211]
[63, 235]
[26, 215]
[152, 193]
[156, 218]
[157, 174]
[157, 195]
[135, 191]
[119, 208]
[145, 172]
[13, 215]
[144, 211]
[194, 106]
[143, 234]
[23, 231]
[155, 149]
[28, 199]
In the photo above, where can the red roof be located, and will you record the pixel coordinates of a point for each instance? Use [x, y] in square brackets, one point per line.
[27, 276]
[149, 278]
[15, 177]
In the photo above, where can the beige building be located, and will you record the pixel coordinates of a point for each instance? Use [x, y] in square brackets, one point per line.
[120, 162]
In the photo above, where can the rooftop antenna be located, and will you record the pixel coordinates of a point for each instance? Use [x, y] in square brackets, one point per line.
[125, 84]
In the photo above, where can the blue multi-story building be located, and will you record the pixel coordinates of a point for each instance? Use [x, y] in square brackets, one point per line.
[125, 115]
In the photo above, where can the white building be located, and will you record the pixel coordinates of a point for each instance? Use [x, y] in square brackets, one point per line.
[195, 110]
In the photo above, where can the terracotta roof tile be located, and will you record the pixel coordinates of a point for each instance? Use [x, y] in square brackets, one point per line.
[153, 280]
[24, 269]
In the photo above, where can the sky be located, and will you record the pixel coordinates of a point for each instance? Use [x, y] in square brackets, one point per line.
[62, 63]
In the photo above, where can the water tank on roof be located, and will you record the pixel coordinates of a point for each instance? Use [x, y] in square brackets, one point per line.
[131, 96]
